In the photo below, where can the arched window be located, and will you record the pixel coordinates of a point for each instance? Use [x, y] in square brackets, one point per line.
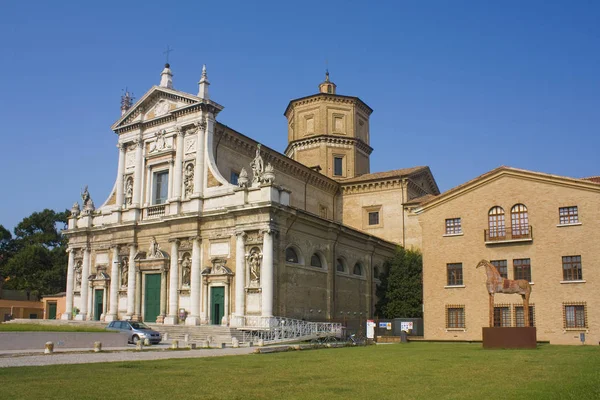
[315, 261]
[376, 272]
[358, 269]
[496, 222]
[340, 265]
[291, 256]
[520, 221]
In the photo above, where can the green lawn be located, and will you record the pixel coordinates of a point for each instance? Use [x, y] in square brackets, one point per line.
[47, 328]
[398, 371]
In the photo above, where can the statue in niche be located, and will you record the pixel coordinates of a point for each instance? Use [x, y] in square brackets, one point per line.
[124, 271]
[257, 166]
[188, 180]
[129, 191]
[154, 249]
[78, 275]
[254, 263]
[185, 270]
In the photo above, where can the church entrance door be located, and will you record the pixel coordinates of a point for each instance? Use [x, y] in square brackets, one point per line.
[152, 297]
[217, 304]
[98, 303]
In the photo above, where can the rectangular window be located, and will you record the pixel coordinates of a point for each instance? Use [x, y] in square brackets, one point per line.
[572, 268]
[522, 269]
[234, 177]
[374, 218]
[453, 226]
[520, 316]
[455, 275]
[501, 316]
[338, 166]
[161, 187]
[575, 315]
[501, 266]
[568, 215]
[455, 316]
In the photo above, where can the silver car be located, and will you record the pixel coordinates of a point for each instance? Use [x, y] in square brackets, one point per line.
[135, 331]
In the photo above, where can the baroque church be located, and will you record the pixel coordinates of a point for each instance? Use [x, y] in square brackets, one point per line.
[206, 226]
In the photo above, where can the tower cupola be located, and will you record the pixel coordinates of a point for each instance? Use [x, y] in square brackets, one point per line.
[327, 86]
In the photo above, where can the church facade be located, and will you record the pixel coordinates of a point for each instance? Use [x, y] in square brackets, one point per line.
[206, 226]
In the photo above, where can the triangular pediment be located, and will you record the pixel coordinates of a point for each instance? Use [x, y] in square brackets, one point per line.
[156, 103]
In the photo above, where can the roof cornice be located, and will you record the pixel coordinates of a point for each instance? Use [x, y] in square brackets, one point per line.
[501, 172]
[329, 97]
[333, 139]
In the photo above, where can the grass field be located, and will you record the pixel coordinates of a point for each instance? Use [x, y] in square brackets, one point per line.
[398, 371]
[48, 328]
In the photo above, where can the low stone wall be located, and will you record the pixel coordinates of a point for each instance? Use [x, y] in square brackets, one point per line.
[61, 340]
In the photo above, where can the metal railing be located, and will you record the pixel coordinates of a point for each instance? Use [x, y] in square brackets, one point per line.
[280, 329]
[500, 234]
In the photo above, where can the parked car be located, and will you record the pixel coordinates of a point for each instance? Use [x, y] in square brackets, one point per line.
[135, 331]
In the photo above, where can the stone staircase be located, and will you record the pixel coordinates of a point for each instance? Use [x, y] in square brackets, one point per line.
[211, 333]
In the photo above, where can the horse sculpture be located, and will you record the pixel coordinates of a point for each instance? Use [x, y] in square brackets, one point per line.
[497, 284]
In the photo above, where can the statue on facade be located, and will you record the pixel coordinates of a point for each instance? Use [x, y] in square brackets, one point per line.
[129, 191]
[188, 180]
[185, 270]
[159, 143]
[257, 166]
[124, 271]
[154, 249]
[88, 204]
[497, 284]
[254, 263]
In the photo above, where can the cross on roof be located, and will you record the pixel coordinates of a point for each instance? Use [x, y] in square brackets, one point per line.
[166, 52]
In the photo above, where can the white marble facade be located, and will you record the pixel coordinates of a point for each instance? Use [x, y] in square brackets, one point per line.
[176, 234]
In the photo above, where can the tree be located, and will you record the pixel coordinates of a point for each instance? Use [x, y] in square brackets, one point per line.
[36, 259]
[401, 290]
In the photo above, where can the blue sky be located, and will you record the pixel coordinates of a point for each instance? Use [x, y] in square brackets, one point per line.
[463, 87]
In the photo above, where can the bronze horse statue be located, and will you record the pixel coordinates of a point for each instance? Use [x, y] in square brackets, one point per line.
[497, 284]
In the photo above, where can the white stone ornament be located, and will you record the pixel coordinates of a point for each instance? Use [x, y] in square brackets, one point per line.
[243, 178]
[268, 175]
[257, 166]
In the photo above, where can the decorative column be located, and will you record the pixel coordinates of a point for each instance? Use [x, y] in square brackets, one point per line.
[131, 282]
[137, 176]
[195, 278]
[240, 279]
[138, 296]
[114, 286]
[163, 295]
[199, 168]
[204, 309]
[120, 171]
[68, 314]
[177, 173]
[266, 273]
[171, 319]
[85, 285]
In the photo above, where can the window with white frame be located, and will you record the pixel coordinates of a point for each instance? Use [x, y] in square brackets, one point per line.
[160, 187]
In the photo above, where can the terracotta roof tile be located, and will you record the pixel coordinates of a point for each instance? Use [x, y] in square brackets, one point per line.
[595, 179]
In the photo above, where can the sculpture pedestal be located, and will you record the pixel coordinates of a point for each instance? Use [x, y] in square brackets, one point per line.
[510, 338]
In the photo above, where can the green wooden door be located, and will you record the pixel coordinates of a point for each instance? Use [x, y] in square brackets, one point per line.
[152, 297]
[217, 304]
[98, 303]
[51, 310]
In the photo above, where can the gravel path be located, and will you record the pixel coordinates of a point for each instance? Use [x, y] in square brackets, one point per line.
[27, 360]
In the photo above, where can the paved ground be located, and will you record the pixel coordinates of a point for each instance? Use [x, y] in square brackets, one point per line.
[24, 358]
